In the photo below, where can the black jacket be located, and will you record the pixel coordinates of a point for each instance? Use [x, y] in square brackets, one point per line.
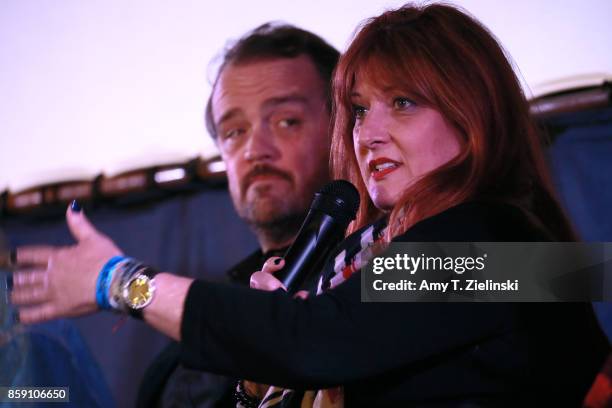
[167, 383]
[403, 354]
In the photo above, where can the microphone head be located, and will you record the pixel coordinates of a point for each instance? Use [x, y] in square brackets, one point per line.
[338, 199]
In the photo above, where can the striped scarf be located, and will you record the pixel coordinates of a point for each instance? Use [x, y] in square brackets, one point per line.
[352, 255]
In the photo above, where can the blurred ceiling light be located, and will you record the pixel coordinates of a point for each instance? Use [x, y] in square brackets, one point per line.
[217, 166]
[170, 175]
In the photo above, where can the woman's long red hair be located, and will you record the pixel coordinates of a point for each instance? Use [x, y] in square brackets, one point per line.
[446, 60]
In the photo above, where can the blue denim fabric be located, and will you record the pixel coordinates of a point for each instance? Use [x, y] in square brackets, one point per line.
[51, 354]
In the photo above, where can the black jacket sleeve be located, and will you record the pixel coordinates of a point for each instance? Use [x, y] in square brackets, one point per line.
[326, 340]
[334, 338]
[393, 354]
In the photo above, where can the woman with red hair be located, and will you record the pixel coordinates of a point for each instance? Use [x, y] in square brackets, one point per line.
[431, 125]
[438, 60]
[433, 129]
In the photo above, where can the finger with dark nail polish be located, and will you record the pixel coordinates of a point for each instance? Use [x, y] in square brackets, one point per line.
[75, 206]
[277, 261]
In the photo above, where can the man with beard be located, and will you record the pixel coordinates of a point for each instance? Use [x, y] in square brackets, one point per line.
[269, 113]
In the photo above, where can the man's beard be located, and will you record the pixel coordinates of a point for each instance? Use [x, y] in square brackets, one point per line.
[279, 221]
[276, 217]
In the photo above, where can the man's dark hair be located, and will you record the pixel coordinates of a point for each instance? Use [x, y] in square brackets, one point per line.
[274, 40]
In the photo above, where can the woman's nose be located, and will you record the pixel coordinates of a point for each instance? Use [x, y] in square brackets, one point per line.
[373, 130]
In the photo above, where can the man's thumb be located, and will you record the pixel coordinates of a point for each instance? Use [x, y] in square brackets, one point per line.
[79, 225]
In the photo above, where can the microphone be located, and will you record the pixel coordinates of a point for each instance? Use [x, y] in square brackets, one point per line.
[332, 209]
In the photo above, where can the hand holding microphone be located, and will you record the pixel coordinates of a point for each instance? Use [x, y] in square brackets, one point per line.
[332, 209]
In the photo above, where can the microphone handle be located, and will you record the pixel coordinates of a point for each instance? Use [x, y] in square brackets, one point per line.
[306, 257]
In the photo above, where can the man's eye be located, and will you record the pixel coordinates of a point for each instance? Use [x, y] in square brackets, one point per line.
[403, 103]
[359, 111]
[289, 122]
[232, 133]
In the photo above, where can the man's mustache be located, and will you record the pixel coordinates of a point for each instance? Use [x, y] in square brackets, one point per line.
[260, 170]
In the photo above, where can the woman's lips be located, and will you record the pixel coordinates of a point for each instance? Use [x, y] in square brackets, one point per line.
[379, 168]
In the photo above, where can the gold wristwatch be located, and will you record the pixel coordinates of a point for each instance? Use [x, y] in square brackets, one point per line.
[139, 291]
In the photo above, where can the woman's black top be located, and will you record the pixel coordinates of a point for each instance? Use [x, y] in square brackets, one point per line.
[403, 354]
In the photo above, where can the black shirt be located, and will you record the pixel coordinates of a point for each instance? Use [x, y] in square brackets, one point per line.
[403, 354]
[167, 383]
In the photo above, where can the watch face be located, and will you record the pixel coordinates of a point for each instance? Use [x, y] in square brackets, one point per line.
[139, 292]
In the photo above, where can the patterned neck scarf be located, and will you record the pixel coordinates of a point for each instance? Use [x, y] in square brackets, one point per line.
[352, 254]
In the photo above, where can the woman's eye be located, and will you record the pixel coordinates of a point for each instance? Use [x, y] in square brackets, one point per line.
[403, 103]
[359, 111]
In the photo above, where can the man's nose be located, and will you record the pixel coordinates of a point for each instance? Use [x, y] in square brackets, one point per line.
[261, 145]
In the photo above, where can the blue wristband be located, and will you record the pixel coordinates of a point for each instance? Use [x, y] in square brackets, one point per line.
[104, 280]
